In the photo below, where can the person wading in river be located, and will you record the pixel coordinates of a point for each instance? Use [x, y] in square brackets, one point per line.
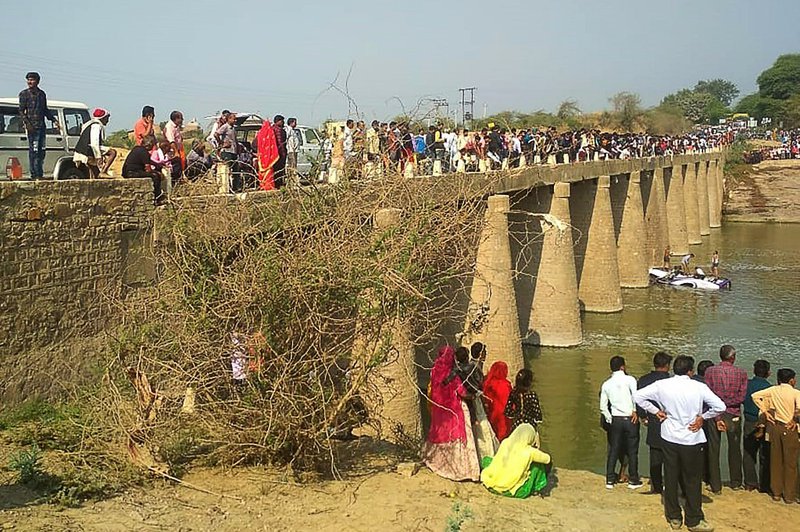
[682, 416]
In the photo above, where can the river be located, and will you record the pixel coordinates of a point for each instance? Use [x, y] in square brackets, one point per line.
[760, 316]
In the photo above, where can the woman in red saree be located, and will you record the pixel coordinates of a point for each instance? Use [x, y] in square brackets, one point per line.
[267, 155]
[496, 390]
[449, 450]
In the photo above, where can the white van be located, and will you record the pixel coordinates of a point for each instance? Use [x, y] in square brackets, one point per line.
[60, 144]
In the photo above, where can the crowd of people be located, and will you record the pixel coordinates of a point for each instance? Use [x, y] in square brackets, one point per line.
[482, 428]
[686, 416]
[789, 148]
[351, 150]
[394, 144]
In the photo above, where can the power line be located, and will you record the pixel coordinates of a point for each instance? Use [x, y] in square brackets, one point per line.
[467, 115]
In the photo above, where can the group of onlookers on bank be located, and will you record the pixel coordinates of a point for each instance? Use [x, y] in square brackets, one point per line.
[686, 414]
[789, 148]
[483, 428]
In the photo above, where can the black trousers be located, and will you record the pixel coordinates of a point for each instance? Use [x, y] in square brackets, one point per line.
[656, 469]
[623, 436]
[755, 451]
[734, 435]
[683, 465]
[154, 176]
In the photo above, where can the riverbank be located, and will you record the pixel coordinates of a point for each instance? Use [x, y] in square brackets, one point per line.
[765, 192]
[251, 499]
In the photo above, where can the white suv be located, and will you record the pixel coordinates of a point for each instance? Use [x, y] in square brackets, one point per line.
[60, 144]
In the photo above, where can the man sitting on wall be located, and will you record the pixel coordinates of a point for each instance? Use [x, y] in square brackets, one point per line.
[138, 164]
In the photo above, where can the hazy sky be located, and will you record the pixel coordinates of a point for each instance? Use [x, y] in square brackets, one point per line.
[282, 57]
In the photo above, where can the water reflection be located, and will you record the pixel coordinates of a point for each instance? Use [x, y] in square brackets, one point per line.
[760, 316]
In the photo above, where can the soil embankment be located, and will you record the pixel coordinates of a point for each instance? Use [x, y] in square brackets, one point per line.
[765, 192]
[250, 499]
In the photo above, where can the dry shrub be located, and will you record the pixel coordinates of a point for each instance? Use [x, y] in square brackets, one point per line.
[298, 276]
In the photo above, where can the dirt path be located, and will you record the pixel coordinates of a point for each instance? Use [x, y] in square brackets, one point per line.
[768, 193]
[255, 500]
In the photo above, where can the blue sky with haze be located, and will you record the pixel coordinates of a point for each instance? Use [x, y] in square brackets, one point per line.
[282, 57]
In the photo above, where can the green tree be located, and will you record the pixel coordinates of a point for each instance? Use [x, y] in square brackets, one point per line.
[723, 90]
[792, 109]
[781, 80]
[568, 109]
[627, 109]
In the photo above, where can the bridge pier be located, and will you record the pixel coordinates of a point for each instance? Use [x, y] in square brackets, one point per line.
[676, 212]
[714, 211]
[492, 317]
[395, 403]
[626, 204]
[655, 217]
[690, 202]
[702, 198]
[596, 247]
[555, 318]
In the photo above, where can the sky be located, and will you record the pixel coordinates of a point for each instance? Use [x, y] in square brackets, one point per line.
[374, 59]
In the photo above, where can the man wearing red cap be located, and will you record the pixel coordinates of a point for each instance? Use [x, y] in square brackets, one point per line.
[90, 149]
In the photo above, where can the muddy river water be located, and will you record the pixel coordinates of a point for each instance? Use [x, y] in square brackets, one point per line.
[760, 316]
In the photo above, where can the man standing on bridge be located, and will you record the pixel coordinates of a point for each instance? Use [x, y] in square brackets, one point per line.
[33, 110]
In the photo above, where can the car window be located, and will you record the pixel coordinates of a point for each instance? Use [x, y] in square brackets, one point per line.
[74, 120]
[311, 136]
[10, 121]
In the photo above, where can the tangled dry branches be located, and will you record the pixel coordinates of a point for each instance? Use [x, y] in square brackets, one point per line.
[284, 285]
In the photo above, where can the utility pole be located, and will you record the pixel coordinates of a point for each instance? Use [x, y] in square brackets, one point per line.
[438, 103]
[467, 115]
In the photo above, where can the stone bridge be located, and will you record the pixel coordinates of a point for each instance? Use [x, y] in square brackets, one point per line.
[558, 240]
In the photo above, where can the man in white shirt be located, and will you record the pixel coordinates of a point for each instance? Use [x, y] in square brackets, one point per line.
[292, 147]
[622, 422]
[682, 401]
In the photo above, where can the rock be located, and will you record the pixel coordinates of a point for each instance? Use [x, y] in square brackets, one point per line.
[407, 469]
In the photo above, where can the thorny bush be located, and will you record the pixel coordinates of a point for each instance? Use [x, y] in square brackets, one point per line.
[296, 276]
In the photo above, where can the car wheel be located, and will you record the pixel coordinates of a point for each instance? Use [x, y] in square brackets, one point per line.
[73, 172]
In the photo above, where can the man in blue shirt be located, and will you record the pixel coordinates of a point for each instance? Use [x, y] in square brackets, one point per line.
[756, 447]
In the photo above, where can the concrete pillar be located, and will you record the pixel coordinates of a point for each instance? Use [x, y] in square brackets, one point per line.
[394, 404]
[537, 159]
[522, 162]
[596, 156]
[551, 160]
[714, 213]
[565, 158]
[676, 212]
[690, 202]
[702, 198]
[437, 167]
[461, 166]
[333, 176]
[655, 218]
[721, 185]
[631, 240]
[482, 166]
[223, 178]
[596, 249]
[504, 164]
[555, 318]
[492, 317]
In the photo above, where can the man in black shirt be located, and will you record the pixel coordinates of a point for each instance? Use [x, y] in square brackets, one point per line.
[139, 164]
[661, 362]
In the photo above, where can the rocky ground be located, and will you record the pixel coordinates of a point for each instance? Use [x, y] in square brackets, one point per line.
[766, 192]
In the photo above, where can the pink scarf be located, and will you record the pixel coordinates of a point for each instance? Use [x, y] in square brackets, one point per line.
[447, 415]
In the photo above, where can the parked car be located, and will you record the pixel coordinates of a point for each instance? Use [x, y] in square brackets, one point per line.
[248, 124]
[60, 143]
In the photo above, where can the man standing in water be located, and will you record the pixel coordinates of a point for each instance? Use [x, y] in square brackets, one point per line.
[661, 361]
[681, 415]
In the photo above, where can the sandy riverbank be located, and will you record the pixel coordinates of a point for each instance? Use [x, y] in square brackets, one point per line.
[251, 499]
[767, 192]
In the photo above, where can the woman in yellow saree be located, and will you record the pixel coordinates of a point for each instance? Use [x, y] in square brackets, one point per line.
[518, 468]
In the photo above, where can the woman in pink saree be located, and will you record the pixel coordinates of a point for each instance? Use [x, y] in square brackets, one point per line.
[449, 450]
